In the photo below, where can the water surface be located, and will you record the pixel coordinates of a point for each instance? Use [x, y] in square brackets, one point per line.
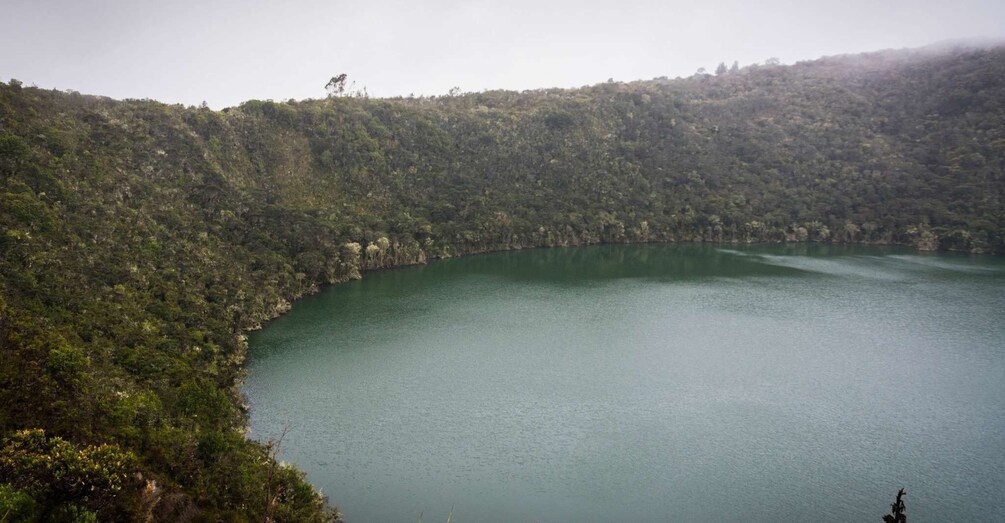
[648, 383]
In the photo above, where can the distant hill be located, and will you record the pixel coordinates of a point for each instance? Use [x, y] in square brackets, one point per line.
[141, 240]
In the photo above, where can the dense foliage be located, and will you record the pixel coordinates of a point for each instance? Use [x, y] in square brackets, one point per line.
[140, 240]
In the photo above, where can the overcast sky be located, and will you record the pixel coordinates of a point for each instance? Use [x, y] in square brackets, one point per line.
[228, 51]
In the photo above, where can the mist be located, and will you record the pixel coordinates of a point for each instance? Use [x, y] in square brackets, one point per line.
[228, 51]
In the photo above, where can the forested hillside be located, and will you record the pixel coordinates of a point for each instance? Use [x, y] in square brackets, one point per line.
[141, 240]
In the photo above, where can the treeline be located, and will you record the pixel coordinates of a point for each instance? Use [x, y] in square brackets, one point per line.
[141, 240]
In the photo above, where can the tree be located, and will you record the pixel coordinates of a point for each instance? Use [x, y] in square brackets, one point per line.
[64, 476]
[735, 68]
[336, 86]
[372, 255]
[721, 70]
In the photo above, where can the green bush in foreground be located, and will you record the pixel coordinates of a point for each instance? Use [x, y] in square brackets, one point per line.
[57, 480]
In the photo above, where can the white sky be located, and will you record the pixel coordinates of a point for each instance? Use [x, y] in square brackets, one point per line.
[228, 51]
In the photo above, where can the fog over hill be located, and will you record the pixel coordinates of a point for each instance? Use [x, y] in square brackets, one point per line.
[229, 51]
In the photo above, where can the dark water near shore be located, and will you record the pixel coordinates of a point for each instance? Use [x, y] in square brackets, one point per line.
[648, 383]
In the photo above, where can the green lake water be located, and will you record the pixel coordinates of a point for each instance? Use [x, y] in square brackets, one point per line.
[647, 383]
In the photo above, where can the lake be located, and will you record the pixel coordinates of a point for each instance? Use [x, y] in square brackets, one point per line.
[647, 383]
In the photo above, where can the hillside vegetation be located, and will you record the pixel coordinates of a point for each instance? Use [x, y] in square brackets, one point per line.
[141, 240]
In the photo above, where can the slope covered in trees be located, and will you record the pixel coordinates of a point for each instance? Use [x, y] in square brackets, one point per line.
[140, 240]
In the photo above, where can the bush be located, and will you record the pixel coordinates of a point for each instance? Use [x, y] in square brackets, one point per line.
[56, 472]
